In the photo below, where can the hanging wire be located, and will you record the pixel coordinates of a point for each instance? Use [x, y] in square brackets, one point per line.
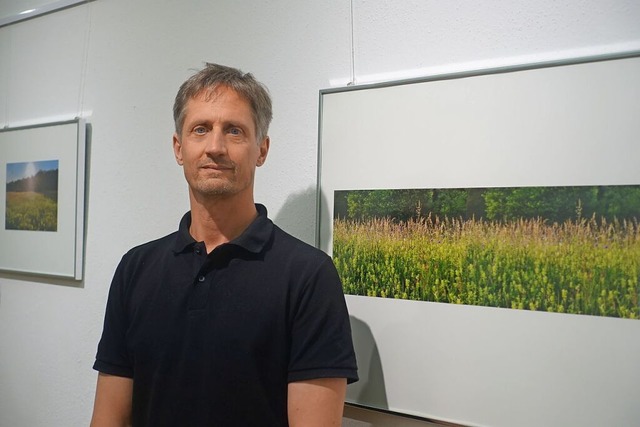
[353, 55]
[85, 61]
[4, 84]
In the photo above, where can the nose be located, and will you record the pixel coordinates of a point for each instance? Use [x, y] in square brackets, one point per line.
[216, 143]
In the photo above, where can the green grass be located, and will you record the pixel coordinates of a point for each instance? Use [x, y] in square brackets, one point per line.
[581, 267]
[31, 211]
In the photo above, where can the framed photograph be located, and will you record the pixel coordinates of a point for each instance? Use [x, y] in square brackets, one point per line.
[486, 227]
[42, 174]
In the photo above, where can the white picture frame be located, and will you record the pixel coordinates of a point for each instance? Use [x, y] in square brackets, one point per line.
[569, 122]
[44, 247]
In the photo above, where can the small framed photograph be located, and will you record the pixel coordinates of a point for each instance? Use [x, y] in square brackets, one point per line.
[42, 174]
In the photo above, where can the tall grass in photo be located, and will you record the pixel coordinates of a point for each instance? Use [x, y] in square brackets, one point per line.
[31, 211]
[582, 265]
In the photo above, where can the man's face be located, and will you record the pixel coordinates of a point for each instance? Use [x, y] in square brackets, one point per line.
[218, 147]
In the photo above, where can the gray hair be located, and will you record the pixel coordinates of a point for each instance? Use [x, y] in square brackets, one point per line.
[213, 76]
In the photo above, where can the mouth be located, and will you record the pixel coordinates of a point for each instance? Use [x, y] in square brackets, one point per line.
[216, 167]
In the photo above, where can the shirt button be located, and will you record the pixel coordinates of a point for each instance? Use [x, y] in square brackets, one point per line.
[201, 279]
[198, 251]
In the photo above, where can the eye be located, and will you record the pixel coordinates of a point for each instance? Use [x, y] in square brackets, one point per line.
[199, 130]
[235, 131]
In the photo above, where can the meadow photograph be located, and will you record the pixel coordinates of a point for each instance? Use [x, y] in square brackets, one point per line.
[32, 196]
[556, 249]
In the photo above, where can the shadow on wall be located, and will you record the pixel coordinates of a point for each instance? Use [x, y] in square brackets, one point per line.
[298, 215]
[370, 390]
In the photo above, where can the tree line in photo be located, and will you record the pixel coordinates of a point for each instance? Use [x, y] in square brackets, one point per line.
[44, 182]
[556, 249]
[554, 204]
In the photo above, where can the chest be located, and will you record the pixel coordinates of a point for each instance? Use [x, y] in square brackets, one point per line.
[213, 311]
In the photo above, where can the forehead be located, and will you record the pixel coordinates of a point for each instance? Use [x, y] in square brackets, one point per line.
[220, 99]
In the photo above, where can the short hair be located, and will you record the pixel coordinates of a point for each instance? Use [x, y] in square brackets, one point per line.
[213, 76]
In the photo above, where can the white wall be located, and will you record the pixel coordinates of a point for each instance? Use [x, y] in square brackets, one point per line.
[120, 62]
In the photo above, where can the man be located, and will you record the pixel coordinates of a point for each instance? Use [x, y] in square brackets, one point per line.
[229, 321]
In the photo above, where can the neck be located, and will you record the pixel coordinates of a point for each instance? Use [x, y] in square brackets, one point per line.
[219, 221]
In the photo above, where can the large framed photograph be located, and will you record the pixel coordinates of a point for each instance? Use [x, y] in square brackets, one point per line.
[42, 171]
[486, 227]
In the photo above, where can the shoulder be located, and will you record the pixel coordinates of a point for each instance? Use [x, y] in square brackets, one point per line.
[169, 244]
[148, 254]
[162, 244]
[302, 266]
[296, 250]
[141, 266]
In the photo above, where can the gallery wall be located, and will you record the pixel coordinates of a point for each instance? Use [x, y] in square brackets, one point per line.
[118, 63]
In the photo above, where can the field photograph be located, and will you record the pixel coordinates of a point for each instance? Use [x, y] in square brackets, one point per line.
[556, 249]
[32, 196]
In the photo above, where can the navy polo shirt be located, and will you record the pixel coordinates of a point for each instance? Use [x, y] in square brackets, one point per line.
[214, 339]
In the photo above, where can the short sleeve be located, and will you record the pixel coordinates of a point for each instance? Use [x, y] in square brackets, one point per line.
[321, 344]
[112, 356]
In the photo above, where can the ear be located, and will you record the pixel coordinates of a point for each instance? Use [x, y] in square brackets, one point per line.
[177, 149]
[264, 150]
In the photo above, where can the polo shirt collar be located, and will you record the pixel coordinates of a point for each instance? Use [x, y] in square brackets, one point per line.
[253, 239]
